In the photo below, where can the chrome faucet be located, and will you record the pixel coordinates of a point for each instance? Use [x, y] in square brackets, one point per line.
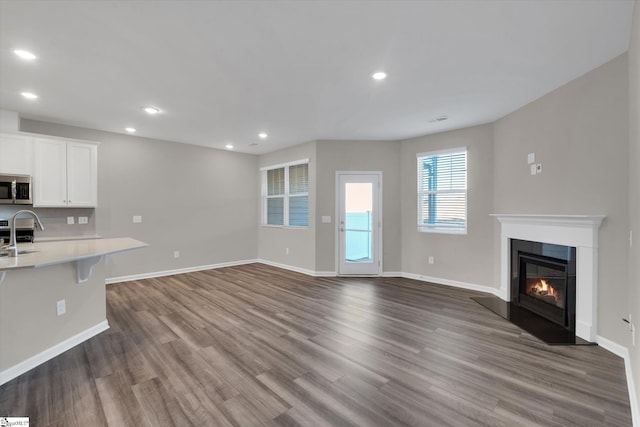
[12, 247]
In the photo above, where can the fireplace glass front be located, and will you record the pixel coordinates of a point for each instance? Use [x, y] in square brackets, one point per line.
[543, 286]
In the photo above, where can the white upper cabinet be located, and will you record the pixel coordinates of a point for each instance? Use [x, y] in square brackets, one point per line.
[82, 174]
[16, 154]
[65, 174]
[50, 177]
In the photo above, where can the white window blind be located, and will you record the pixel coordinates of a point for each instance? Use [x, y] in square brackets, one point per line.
[442, 191]
[275, 196]
[299, 195]
[285, 192]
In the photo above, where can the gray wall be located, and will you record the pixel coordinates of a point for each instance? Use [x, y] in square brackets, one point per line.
[199, 201]
[29, 324]
[336, 156]
[579, 133]
[465, 258]
[634, 190]
[273, 241]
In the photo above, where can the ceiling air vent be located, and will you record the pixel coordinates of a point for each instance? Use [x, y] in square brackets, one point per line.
[439, 119]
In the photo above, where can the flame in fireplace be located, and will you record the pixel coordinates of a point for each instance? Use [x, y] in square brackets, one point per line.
[543, 289]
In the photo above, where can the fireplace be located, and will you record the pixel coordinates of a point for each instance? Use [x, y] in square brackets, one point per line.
[578, 231]
[544, 280]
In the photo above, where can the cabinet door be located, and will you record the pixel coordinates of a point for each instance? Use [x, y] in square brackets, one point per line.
[50, 173]
[82, 175]
[16, 154]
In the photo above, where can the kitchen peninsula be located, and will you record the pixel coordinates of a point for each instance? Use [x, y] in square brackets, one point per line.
[52, 297]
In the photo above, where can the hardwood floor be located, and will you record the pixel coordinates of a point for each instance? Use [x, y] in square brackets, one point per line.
[258, 346]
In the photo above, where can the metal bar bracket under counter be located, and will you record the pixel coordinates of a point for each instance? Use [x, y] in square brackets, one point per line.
[86, 253]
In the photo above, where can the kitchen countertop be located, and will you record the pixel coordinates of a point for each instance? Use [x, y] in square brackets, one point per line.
[61, 238]
[58, 252]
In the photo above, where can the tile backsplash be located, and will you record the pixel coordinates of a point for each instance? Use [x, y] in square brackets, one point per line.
[55, 220]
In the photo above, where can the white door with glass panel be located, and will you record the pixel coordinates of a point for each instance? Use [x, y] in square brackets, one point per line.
[359, 223]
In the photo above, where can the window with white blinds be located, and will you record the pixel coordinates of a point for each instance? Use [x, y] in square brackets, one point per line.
[285, 194]
[442, 191]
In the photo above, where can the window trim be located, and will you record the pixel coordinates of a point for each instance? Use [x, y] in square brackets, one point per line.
[287, 164]
[285, 196]
[421, 227]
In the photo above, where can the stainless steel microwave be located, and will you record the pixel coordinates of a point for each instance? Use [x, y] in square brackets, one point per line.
[15, 190]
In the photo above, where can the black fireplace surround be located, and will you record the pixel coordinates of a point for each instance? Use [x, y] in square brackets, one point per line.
[543, 280]
[543, 292]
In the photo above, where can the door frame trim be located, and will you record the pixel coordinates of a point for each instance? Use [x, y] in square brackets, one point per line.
[337, 222]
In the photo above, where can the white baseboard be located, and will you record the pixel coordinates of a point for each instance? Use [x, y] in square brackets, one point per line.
[325, 274]
[453, 283]
[48, 354]
[141, 276]
[623, 352]
[613, 347]
[391, 274]
[633, 392]
[289, 267]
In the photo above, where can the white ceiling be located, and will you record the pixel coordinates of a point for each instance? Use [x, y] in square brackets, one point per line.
[223, 71]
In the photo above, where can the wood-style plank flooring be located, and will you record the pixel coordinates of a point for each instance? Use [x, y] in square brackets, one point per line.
[258, 346]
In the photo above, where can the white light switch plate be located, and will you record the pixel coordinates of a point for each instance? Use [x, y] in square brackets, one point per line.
[533, 169]
[70, 220]
[326, 219]
[531, 158]
[137, 219]
[83, 220]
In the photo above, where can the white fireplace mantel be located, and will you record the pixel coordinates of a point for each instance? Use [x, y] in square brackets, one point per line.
[579, 231]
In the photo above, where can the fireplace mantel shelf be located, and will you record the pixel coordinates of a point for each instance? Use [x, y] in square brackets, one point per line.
[565, 220]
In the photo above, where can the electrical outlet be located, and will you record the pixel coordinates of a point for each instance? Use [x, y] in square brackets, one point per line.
[83, 220]
[176, 254]
[531, 158]
[61, 307]
[70, 220]
[137, 219]
[430, 260]
[286, 251]
[533, 169]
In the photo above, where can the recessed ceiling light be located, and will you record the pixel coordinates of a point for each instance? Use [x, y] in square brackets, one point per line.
[29, 95]
[130, 130]
[229, 146]
[379, 75]
[263, 135]
[151, 110]
[24, 54]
